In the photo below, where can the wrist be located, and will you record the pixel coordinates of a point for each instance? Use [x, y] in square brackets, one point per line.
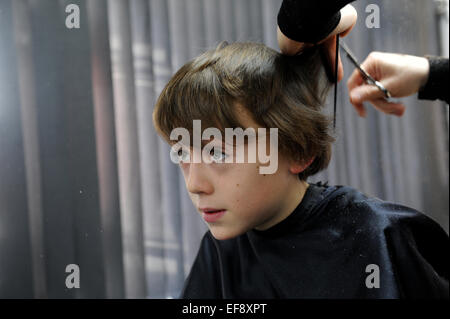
[424, 71]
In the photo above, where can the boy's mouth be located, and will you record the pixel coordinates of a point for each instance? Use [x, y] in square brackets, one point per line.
[211, 215]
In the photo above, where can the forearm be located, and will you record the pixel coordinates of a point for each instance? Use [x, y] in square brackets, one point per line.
[309, 20]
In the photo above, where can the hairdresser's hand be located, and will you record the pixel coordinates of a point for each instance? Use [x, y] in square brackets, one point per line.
[346, 24]
[402, 75]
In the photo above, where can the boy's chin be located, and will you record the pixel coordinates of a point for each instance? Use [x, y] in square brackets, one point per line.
[222, 233]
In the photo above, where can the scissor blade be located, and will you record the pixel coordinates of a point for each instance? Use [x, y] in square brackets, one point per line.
[349, 53]
[352, 58]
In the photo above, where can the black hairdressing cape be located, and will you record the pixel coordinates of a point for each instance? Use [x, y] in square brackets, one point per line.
[323, 249]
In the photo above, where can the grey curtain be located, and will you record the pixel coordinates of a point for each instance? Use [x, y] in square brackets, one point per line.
[85, 180]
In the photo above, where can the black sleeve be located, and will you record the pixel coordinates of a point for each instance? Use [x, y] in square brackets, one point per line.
[203, 281]
[309, 20]
[438, 80]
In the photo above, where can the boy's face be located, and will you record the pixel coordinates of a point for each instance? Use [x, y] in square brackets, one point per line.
[248, 198]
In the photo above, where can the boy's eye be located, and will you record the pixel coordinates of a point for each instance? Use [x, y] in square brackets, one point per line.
[182, 155]
[217, 155]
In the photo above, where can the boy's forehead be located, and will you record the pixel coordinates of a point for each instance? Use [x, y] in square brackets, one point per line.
[248, 129]
[232, 137]
[222, 135]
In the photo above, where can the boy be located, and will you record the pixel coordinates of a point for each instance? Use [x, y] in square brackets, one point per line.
[275, 235]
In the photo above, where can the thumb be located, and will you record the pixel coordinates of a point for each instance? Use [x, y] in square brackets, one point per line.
[365, 93]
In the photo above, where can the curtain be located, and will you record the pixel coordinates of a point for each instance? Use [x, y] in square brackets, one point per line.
[85, 180]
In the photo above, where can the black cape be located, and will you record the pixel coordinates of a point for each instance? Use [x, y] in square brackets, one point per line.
[323, 249]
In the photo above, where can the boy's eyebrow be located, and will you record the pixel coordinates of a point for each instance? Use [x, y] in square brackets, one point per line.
[204, 142]
[249, 137]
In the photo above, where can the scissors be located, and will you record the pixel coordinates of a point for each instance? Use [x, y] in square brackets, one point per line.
[369, 79]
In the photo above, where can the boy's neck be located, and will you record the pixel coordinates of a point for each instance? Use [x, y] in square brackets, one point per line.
[293, 199]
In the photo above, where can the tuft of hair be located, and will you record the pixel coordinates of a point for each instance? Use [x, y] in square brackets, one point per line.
[277, 91]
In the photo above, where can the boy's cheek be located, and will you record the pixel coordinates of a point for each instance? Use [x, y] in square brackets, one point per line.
[184, 168]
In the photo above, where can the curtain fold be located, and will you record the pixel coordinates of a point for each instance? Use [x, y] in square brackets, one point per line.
[128, 155]
[18, 260]
[106, 148]
[28, 111]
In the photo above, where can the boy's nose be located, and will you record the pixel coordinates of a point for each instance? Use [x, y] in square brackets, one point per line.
[197, 179]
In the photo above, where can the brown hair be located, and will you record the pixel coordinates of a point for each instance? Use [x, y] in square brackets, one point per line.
[286, 92]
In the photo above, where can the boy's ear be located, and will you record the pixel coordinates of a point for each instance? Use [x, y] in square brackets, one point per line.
[298, 167]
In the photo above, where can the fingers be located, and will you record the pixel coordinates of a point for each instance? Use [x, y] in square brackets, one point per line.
[370, 93]
[361, 92]
[391, 108]
[381, 104]
[346, 24]
[340, 70]
[349, 16]
[365, 93]
[370, 66]
[354, 80]
[330, 46]
[359, 107]
[288, 46]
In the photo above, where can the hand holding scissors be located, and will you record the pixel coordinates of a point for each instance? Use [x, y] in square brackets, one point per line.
[385, 75]
[369, 79]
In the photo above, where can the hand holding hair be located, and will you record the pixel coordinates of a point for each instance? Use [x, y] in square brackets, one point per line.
[346, 23]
